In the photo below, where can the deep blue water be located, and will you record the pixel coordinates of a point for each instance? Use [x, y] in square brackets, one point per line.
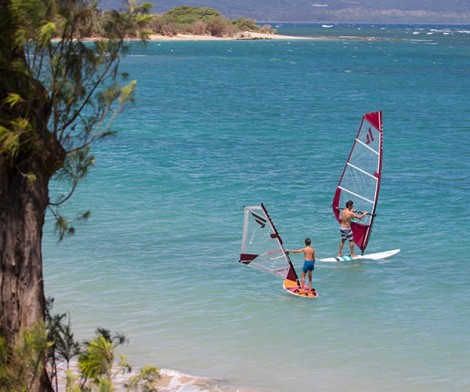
[220, 125]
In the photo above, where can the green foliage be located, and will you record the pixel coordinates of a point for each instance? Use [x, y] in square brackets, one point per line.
[20, 365]
[72, 382]
[64, 227]
[188, 15]
[96, 360]
[145, 380]
[33, 20]
[244, 24]
[201, 21]
[62, 345]
[9, 142]
[116, 339]
[116, 24]
[219, 27]
[12, 100]
[65, 93]
[19, 132]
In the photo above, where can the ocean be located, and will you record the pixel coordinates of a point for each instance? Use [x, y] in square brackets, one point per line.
[219, 125]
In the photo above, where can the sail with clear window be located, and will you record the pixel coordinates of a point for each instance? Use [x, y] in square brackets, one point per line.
[262, 247]
[361, 177]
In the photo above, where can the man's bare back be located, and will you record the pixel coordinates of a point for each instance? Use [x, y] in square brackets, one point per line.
[348, 214]
[346, 217]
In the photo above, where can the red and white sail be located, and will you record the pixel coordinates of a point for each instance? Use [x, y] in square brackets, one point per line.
[262, 247]
[360, 180]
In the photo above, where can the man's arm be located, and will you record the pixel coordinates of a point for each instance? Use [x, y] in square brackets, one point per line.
[360, 216]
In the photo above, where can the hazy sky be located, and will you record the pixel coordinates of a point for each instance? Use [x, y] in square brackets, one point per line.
[373, 11]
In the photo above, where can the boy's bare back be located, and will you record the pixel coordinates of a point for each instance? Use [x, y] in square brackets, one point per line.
[309, 253]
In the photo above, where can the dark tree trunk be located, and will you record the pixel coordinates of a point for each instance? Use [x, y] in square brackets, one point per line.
[23, 200]
[22, 209]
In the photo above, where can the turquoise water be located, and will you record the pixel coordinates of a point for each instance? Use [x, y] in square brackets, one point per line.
[220, 125]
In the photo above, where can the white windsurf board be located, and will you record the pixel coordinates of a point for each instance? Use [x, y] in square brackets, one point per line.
[370, 256]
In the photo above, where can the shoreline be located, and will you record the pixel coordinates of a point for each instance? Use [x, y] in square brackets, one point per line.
[170, 380]
[242, 36]
[245, 35]
[255, 36]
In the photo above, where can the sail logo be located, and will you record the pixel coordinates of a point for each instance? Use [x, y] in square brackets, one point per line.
[259, 219]
[369, 137]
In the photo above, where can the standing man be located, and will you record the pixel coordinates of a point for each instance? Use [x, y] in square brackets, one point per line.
[345, 227]
[309, 262]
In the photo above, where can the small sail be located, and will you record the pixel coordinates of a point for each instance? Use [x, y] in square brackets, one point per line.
[360, 180]
[262, 247]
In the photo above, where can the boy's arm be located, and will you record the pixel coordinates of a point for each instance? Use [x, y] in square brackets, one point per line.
[295, 251]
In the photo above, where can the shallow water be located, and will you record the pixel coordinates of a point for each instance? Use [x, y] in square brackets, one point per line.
[220, 125]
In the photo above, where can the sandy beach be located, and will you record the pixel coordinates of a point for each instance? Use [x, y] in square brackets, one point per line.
[245, 35]
[170, 381]
[251, 36]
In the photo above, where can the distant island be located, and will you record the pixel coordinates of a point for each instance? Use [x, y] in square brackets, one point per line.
[185, 22]
[203, 21]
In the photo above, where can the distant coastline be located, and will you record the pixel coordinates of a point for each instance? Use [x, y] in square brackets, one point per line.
[252, 36]
[244, 35]
[241, 36]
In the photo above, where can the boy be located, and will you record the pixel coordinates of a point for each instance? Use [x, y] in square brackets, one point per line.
[309, 262]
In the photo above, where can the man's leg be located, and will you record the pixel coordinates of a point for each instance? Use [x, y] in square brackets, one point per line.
[351, 248]
[341, 244]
